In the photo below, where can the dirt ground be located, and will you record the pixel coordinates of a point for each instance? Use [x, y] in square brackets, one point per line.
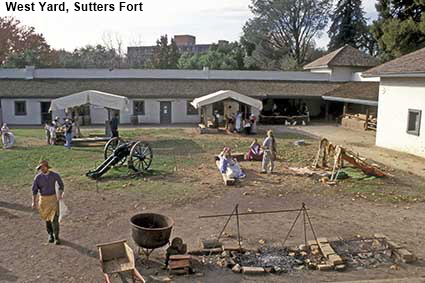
[363, 142]
[103, 216]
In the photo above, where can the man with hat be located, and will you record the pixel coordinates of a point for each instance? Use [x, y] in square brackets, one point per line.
[48, 201]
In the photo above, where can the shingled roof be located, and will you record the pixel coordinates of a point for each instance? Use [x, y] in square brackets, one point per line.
[345, 56]
[411, 63]
[357, 90]
[156, 88]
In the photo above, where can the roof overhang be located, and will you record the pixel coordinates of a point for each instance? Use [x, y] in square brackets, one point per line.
[396, 75]
[351, 100]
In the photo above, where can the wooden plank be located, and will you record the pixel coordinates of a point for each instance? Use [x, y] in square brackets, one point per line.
[180, 257]
[179, 264]
[252, 270]
[325, 267]
[326, 249]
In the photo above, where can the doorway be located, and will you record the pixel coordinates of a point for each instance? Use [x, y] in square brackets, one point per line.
[165, 112]
[46, 116]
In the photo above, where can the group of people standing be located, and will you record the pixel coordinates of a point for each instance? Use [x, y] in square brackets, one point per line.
[241, 123]
[51, 131]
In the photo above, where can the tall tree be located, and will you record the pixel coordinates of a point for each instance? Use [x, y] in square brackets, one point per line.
[222, 56]
[348, 25]
[20, 45]
[285, 29]
[166, 56]
[400, 27]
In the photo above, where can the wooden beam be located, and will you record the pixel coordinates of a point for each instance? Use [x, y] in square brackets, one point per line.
[327, 110]
[344, 109]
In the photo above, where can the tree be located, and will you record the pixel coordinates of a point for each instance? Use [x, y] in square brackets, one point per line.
[348, 25]
[284, 30]
[20, 45]
[89, 56]
[166, 56]
[400, 27]
[222, 56]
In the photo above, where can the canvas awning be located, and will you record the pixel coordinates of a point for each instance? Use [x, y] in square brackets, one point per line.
[92, 97]
[226, 94]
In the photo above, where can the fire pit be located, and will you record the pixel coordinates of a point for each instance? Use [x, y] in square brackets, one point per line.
[272, 257]
[151, 231]
[364, 253]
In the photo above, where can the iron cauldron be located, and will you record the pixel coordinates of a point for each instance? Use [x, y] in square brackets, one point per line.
[151, 230]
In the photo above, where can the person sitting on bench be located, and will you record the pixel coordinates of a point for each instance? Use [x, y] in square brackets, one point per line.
[229, 165]
[255, 152]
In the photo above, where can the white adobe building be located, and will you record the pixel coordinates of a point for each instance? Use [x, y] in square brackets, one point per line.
[402, 103]
[164, 96]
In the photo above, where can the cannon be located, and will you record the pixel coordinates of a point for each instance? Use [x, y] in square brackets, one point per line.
[137, 154]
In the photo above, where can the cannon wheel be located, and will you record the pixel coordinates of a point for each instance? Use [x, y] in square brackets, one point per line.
[140, 157]
[110, 146]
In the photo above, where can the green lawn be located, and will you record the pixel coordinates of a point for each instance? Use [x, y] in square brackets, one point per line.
[177, 154]
[174, 149]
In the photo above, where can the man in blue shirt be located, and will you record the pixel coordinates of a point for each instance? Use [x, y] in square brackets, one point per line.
[44, 186]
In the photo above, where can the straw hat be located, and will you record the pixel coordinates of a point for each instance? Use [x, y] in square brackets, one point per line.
[43, 163]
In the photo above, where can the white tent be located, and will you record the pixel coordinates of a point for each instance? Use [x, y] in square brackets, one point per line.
[93, 97]
[226, 94]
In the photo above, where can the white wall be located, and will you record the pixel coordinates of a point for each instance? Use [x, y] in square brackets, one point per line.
[342, 73]
[396, 96]
[32, 117]
[98, 114]
[179, 112]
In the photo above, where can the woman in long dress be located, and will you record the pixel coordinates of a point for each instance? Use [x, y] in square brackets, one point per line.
[230, 166]
[238, 125]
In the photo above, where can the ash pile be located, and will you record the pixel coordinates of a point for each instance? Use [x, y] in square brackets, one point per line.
[274, 259]
[267, 259]
[363, 252]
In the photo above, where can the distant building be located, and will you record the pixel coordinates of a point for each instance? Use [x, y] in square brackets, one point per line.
[138, 55]
[343, 63]
[164, 96]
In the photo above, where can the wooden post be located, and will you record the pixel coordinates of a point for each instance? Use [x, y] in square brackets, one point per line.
[366, 126]
[327, 110]
[344, 109]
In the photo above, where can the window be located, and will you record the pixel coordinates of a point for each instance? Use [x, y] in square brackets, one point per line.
[20, 108]
[139, 107]
[414, 122]
[190, 109]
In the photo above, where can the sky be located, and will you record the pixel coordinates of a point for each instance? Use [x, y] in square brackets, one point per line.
[209, 21]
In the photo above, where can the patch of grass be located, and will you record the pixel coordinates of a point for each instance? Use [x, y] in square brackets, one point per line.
[174, 150]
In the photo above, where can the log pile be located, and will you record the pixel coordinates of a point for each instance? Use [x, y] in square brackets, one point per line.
[359, 121]
[339, 154]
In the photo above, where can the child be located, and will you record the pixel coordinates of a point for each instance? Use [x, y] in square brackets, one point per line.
[47, 130]
[52, 130]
